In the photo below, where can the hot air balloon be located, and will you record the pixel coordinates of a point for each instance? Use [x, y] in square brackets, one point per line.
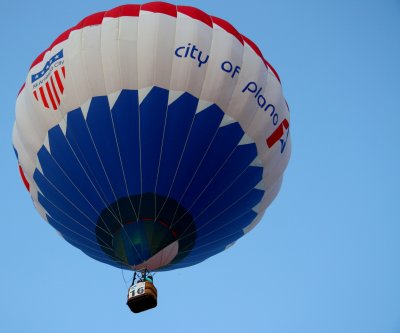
[152, 137]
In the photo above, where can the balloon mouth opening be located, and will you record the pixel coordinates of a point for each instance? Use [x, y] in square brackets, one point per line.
[140, 240]
[135, 229]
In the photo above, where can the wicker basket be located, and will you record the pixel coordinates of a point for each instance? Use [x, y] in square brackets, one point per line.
[142, 297]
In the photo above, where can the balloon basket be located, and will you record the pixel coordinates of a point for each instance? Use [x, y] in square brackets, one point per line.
[142, 295]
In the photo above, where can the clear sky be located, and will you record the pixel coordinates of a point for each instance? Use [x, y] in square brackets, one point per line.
[325, 258]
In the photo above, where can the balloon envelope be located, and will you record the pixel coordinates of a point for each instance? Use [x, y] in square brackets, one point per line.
[152, 135]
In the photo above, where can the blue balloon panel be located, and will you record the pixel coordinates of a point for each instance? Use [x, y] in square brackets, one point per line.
[122, 183]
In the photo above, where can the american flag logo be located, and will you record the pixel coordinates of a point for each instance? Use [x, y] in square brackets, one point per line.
[278, 134]
[48, 83]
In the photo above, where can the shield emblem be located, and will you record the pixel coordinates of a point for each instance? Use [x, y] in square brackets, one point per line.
[48, 83]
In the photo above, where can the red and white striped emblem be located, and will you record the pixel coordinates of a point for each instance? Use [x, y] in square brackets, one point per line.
[48, 84]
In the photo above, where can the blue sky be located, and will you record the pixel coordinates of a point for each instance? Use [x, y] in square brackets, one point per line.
[325, 257]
